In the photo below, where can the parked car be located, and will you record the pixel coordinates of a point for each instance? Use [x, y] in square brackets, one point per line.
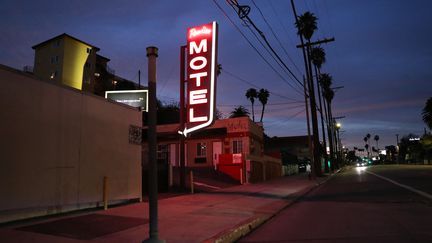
[302, 166]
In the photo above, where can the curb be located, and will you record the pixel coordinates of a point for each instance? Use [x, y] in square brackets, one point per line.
[242, 229]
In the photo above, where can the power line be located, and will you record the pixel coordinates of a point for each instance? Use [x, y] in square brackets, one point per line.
[276, 37]
[249, 42]
[243, 12]
[256, 86]
[274, 58]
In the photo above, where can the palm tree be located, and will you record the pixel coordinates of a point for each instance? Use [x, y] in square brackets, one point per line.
[376, 138]
[366, 139]
[328, 95]
[318, 58]
[325, 81]
[306, 25]
[263, 95]
[427, 113]
[239, 111]
[252, 94]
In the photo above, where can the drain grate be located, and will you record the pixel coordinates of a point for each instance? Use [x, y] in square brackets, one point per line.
[86, 227]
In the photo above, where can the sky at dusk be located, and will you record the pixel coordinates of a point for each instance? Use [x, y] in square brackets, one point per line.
[382, 54]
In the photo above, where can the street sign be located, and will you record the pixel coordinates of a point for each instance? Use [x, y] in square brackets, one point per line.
[201, 60]
[134, 98]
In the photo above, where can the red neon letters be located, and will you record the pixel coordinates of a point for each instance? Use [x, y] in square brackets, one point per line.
[201, 76]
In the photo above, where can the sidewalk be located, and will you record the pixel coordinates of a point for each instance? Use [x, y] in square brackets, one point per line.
[220, 216]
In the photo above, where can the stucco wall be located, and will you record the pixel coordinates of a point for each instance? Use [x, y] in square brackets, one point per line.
[57, 144]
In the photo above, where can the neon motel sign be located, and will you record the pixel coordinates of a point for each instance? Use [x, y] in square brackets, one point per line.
[201, 77]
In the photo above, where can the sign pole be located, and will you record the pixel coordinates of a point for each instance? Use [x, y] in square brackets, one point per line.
[182, 118]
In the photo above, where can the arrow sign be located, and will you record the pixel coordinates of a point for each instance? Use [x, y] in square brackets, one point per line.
[201, 59]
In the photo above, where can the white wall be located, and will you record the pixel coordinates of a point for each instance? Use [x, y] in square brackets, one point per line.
[57, 144]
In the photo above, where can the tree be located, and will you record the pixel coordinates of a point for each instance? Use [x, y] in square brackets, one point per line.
[427, 113]
[318, 58]
[239, 111]
[328, 95]
[306, 25]
[263, 95]
[376, 138]
[252, 94]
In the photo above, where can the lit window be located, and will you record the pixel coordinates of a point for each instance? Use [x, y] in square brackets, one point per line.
[237, 147]
[201, 149]
[97, 74]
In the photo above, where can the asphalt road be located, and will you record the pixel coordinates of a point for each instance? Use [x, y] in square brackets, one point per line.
[357, 206]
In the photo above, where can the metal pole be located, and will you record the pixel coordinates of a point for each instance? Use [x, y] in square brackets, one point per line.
[152, 53]
[307, 122]
[182, 118]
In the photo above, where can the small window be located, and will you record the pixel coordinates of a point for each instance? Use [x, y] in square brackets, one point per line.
[56, 43]
[56, 59]
[237, 147]
[89, 50]
[162, 151]
[201, 149]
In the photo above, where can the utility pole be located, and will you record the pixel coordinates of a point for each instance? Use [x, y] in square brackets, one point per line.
[152, 53]
[139, 79]
[313, 158]
[308, 125]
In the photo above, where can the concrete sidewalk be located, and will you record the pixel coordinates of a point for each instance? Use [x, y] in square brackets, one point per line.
[220, 216]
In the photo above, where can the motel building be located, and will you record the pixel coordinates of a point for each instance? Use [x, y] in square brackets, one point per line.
[231, 146]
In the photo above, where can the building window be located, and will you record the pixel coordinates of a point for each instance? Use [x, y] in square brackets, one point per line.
[201, 149]
[56, 43]
[89, 50]
[162, 151]
[54, 59]
[237, 147]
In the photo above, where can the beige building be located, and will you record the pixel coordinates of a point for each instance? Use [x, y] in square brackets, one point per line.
[66, 60]
[58, 143]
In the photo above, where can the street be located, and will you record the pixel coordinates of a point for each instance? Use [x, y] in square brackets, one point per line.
[358, 206]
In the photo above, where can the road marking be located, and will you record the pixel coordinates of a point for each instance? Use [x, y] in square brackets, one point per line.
[424, 194]
[206, 185]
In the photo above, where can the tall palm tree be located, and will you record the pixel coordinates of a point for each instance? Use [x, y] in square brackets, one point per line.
[328, 95]
[367, 139]
[318, 58]
[263, 95]
[239, 111]
[376, 138]
[325, 81]
[427, 113]
[306, 25]
[252, 94]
